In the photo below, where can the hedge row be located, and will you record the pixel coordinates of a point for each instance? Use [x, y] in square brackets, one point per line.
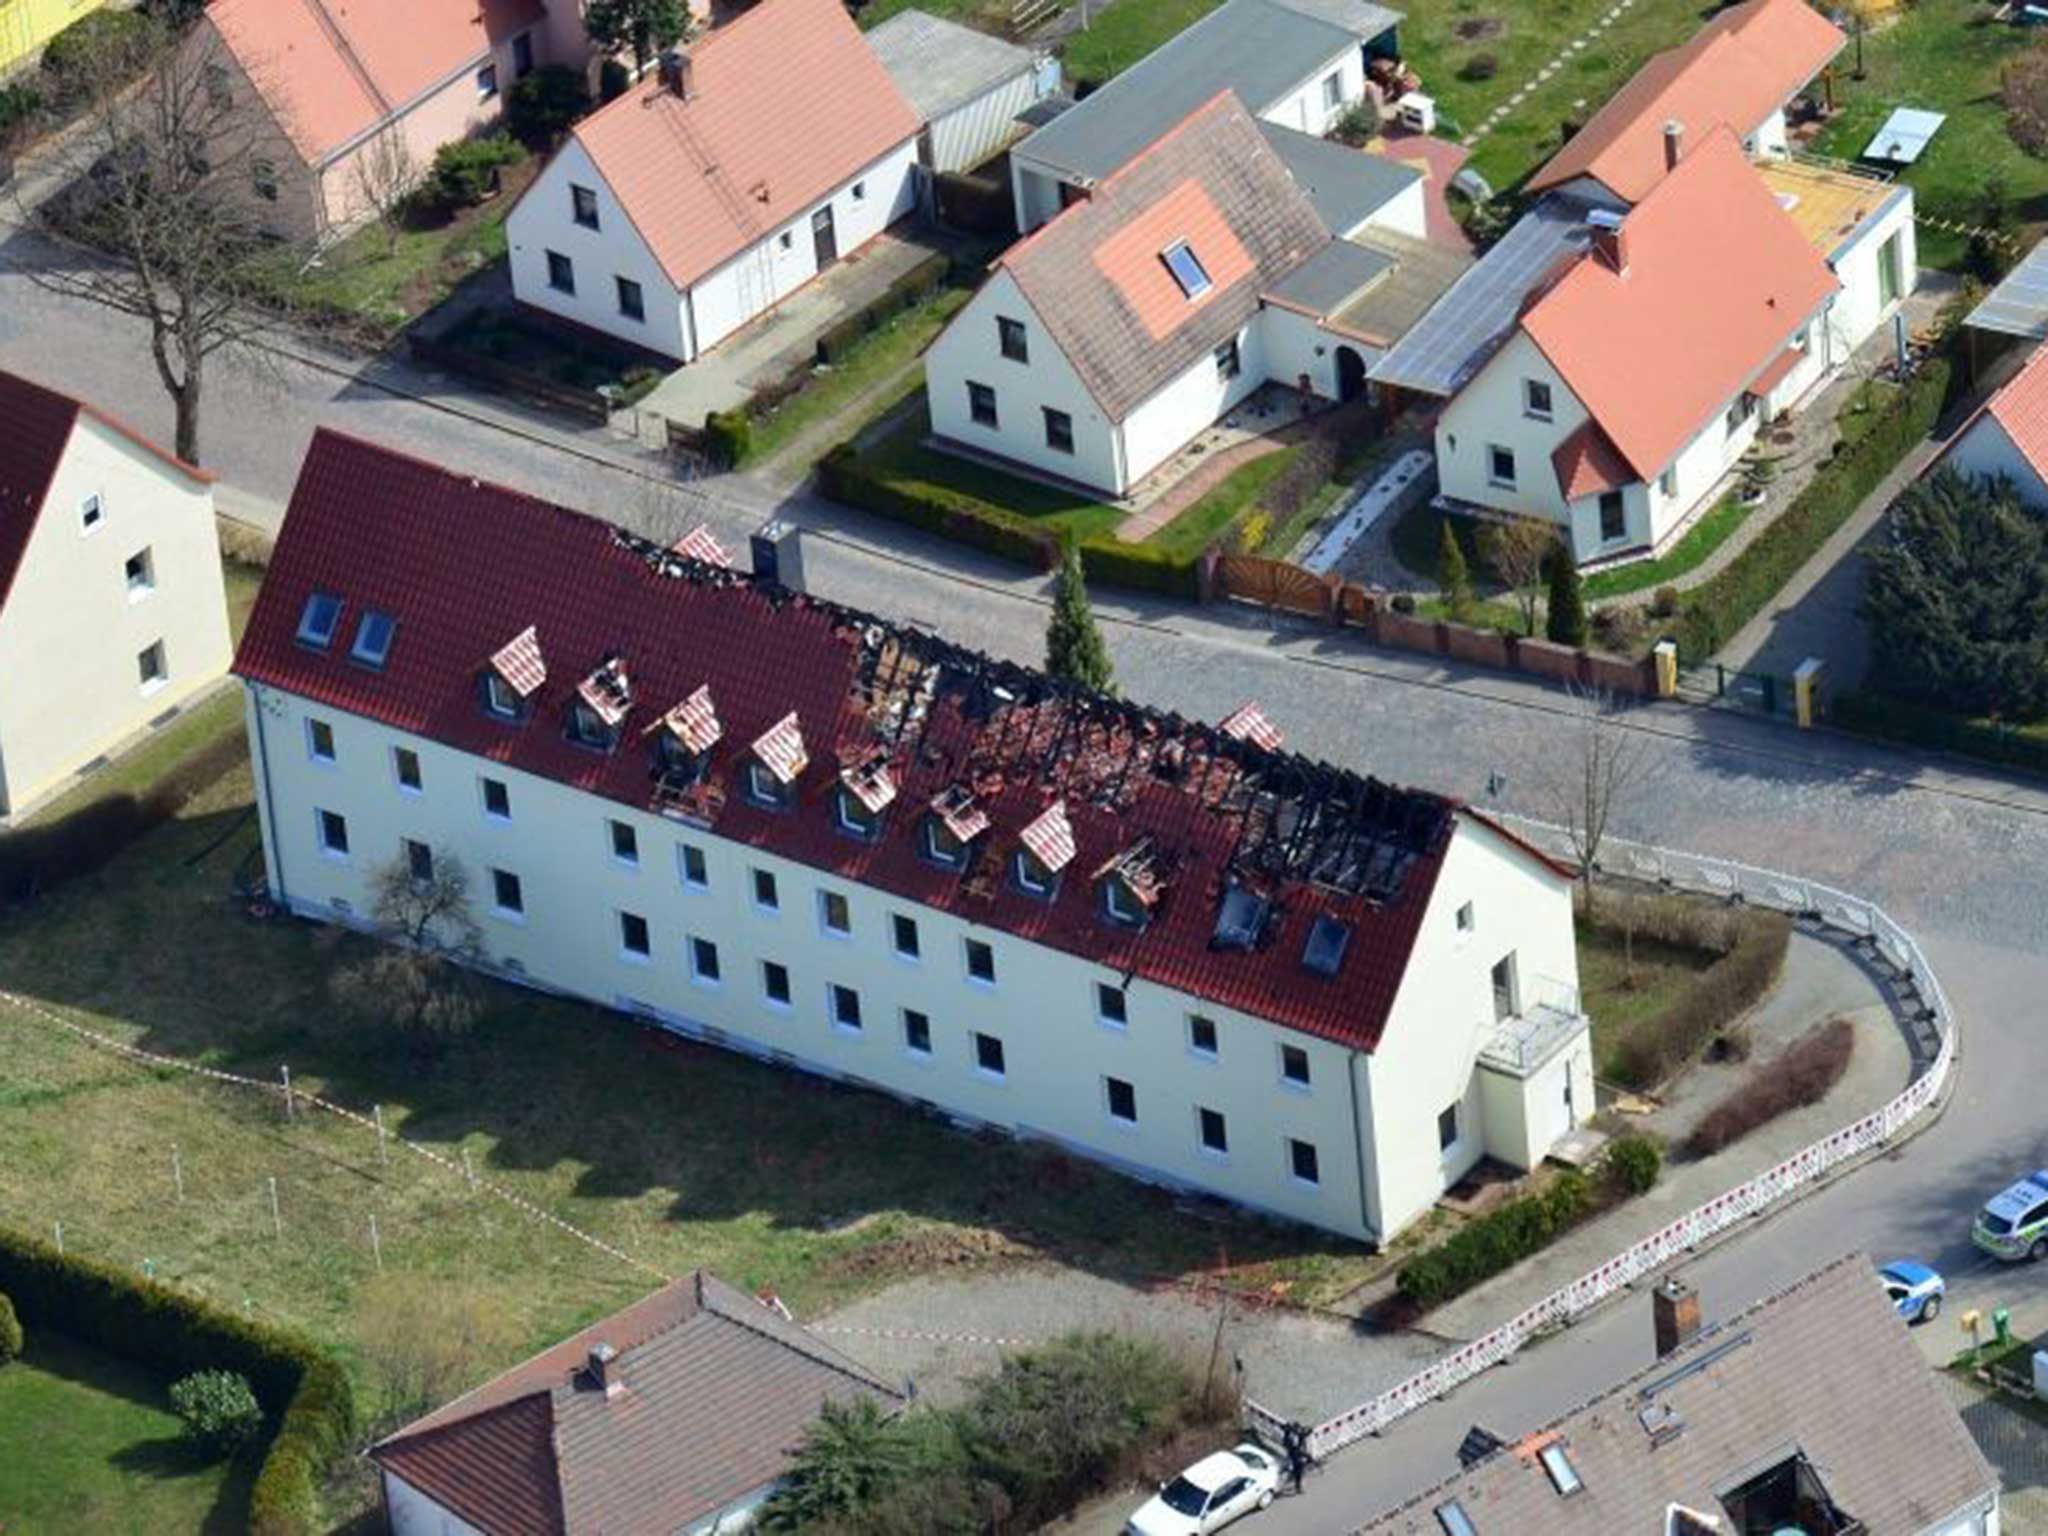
[844, 478]
[1145, 567]
[920, 282]
[175, 1334]
[1735, 982]
[1797, 1076]
[1919, 725]
[1716, 609]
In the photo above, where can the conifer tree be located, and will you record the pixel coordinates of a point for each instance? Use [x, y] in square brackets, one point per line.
[1074, 648]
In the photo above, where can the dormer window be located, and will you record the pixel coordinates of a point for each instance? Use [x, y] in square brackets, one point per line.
[764, 789]
[499, 698]
[319, 620]
[854, 818]
[1120, 904]
[864, 793]
[778, 762]
[947, 837]
[588, 729]
[1130, 884]
[940, 846]
[372, 646]
[601, 705]
[1048, 848]
[1187, 269]
[1032, 877]
[514, 676]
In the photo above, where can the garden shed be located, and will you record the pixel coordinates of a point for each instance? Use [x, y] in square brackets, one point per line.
[967, 87]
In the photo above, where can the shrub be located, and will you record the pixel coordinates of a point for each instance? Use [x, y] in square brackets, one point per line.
[1632, 1163]
[1143, 567]
[1895, 719]
[1253, 532]
[1477, 1251]
[10, 1332]
[1481, 66]
[914, 286]
[1304, 477]
[845, 477]
[1799, 1075]
[219, 1409]
[729, 438]
[1568, 1199]
[540, 108]
[1403, 602]
[1564, 616]
[2024, 88]
[75, 56]
[19, 103]
[1665, 603]
[465, 172]
[613, 80]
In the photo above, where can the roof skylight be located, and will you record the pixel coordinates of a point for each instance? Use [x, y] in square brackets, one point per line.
[1452, 1517]
[373, 638]
[1327, 941]
[1187, 268]
[1563, 1475]
[317, 624]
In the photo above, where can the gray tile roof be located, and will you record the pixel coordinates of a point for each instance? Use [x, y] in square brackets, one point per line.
[1118, 359]
[1824, 1369]
[717, 1389]
[1257, 48]
[1321, 285]
[939, 64]
[1347, 186]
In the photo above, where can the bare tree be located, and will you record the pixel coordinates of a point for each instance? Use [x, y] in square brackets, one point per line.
[419, 981]
[163, 182]
[1519, 552]
[1595, 774]
[427, 1338]
[385, 175]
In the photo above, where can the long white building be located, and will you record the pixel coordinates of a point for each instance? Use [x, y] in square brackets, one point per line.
[804, 833]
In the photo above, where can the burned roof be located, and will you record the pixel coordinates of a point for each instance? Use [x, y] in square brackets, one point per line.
[461, 562]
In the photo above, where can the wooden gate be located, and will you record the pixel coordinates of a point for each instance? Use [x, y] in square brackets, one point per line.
[1274, 584]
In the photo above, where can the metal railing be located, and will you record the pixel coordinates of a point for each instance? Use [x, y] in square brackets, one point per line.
[1851, 916]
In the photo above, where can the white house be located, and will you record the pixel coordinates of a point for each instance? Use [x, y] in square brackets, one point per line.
[700, 199]
[843, 846]
[2007, 438]
[1208, 265]
[675, 1415]
[969, 89]
[1298, 63]
[112, 613]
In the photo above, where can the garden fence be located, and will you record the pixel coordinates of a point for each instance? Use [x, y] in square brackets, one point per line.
[1838, 911]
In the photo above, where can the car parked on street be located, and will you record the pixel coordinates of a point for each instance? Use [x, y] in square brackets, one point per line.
[1914, 1289]
[1209, 1495]
[2014, 1222]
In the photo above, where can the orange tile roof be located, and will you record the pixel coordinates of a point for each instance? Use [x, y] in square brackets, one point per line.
[1130, 257]
[331, 70]
[2021, 407]
[1587, 464]
[786, 102]
[1718, 281]
[1733, 73]
[1776, 371]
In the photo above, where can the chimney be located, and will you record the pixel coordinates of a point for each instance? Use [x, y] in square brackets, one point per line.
[675, 72]
[777, 556]
[1610, 237]
[1675, 1312]
[601, 1375]
[1674, 142]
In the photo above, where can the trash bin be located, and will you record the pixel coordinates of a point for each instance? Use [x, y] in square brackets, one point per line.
[2001, 1322]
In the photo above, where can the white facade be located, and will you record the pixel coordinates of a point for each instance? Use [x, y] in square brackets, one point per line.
[116, 615]
[1878, 268]
[412, 1513]
[984, 125]
[1984, 450]
[681, 322]
[1371, 1120]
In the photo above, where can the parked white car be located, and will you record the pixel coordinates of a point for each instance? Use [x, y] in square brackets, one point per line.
[1209, 1495]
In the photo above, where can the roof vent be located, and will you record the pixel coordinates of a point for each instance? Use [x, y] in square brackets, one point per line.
[777, 553]
[1327, 941]
[1661, 1422]
[1674, 142]
[602, 1375]
[1241, 919]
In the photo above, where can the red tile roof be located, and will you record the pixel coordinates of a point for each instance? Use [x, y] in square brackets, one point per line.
[1776, 371]
[1587, 464]
[786, 102]
[713, 1388]
[1733, 73]
[331, 70]
[2021, 407]
[456, 561]
[1719, 280]
[35, 429]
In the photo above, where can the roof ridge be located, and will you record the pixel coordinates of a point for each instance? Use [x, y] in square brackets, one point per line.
[811, 1349]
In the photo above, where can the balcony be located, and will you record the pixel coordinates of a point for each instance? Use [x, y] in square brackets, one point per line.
[1549, 1020]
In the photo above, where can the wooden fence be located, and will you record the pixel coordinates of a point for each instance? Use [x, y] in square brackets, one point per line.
[507, 379]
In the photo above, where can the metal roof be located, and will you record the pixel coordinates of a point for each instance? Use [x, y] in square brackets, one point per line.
[1440, 354]
[1258, 48]
[939, 64]
[2018, 306]
[1345, 186]
[1904, 135]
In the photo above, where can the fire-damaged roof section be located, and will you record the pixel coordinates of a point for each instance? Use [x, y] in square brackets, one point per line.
[1178, 809]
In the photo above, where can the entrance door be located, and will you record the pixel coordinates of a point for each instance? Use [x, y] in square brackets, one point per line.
[823, 240]
[1888, 273]
[1350, 374]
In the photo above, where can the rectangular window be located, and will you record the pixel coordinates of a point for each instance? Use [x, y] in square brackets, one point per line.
[1187, 269]
[1111, 1006]
[497, 800]
[632, 304]
[1301, 1161]
[903, 934]
[419, 860]
[1121, 1099]
[1500, 466]
[833, 914]
[845, 1007]
[633, 937]
[319, 620]
[1668, 481]
[140, 574]
[1202, 1036]
[766, 897]
[320, 741]
[583, 206]
[92, 511]
[1447, 1129]
[917, 1033]
[373, 639]
[561, 273]
[1333, 90]
[981, 404]
[1739, 410]
[981, 962]
[1059, 431]
[405, 767]
[333, 833]
[704, 962]
[1229, 361]
[690, 865]
[775, 982]
[151, 670]
[507, 896]
[625, 843]
[263, 178]
[487, 82]
[1010, 336]
[522, 55]
[1467, 918]
[1613, 517]
[786, 239]
[1890, 274]
[860, 191]
[1536, 399]
[988, 1054]
[1504, 989]
[1294, 1065]
[1214, 1133]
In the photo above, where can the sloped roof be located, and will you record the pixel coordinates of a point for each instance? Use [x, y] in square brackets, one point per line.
[1587, 464]
[1345, 186]
[716, 1389]
[1095, 276]
[35, 428]
[331, 70]
[1718, 281]
[1733, 73]
[705, 178]
[1823, 1368]
[939, 64]
[459, 563]
[2021, 407]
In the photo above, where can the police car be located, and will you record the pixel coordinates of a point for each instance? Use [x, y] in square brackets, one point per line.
[2014, 1222]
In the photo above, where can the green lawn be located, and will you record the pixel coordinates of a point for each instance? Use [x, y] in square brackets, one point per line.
[1947, 55]
[1624, 991]
[1195, 529]
[93, 1446]
[1700, 541]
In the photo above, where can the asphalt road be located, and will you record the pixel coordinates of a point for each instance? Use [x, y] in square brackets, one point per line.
[1958, 856]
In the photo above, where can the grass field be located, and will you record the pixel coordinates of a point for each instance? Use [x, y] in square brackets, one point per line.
[93, 1446]
[1625, 990]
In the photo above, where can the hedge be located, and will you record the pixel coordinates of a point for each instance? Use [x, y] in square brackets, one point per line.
[920, 282]
[1716, 609]
[174, 1334]
[73, 56]
[728, 438]
[1801, 1074]
[1920, 725]
[1752, 954]
[1142, 566]
[843, 477]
